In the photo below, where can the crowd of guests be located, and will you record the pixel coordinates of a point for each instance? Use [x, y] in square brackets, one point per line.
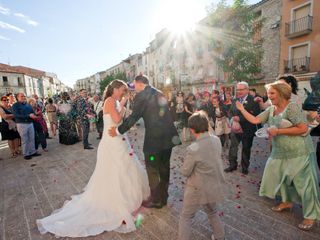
[291, 171]
[24, 121]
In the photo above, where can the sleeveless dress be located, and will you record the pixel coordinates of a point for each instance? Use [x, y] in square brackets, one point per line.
[51, 113]
[291, 170]
[115, 190]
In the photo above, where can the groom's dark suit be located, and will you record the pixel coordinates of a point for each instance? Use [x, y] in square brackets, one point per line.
[160, 137]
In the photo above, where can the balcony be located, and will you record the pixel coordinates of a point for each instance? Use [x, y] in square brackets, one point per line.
[297, 65]
[299, 27]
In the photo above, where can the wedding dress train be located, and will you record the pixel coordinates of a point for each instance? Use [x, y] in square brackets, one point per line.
[115, 190]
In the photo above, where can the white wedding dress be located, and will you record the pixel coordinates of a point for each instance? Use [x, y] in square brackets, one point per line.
[115, 190]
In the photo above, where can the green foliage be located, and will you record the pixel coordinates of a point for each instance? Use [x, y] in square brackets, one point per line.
[104, 83]
[233, 39]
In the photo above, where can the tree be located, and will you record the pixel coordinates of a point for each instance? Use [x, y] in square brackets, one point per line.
[239, 54]
[104, 83]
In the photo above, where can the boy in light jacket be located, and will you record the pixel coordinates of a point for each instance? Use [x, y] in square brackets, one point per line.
[204, 169]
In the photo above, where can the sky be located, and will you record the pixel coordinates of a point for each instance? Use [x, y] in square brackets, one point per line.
[78, 38]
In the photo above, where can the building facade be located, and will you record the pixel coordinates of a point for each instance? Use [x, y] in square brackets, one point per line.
[15, 79]
[268, 32]
[300, 39]
[11, 80]
[288, 31]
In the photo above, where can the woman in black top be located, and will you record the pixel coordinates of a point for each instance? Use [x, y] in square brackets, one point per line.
[8, 127]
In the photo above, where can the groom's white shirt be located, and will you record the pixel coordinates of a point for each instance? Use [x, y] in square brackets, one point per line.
[117, 132]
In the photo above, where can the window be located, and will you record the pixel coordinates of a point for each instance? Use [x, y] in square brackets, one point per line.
[19, 82]
[299, 58]
[5, 80]
[199, 51]
[299, 52]
[301, 12]
[258, 14]
[301, 21]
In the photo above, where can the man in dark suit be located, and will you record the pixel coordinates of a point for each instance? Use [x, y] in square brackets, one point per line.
[160, 137]
[85, 112]
[246, 137]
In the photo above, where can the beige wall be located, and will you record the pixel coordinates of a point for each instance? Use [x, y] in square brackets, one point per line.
[313, 38]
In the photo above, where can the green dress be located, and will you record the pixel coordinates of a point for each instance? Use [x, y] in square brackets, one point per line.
[290, 171]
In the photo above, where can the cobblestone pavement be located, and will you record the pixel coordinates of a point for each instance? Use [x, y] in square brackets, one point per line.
[33, 189]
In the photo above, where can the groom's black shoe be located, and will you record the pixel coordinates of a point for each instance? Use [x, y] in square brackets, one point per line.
[88, 147]
[164, 202]
[151, 204]
[245, 171]
[230, 169]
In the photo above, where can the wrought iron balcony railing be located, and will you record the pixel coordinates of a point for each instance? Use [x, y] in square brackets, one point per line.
[299, 27]
[297, 65]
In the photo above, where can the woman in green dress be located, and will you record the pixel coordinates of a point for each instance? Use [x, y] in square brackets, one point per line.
[290, 171]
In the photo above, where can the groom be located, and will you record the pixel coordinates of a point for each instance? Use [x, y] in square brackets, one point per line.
[160, 137]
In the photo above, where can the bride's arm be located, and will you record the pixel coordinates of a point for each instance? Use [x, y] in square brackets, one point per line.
[110, 108]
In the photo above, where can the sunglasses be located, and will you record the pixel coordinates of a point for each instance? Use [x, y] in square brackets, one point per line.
[5, 100]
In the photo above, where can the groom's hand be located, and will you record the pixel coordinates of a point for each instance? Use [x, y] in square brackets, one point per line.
[112, 131]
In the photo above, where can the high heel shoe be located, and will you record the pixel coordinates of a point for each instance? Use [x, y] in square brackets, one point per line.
[307, 224]
[282, 206]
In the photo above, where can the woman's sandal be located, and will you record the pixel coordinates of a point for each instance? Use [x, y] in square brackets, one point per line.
[307, 224]
[282, 206]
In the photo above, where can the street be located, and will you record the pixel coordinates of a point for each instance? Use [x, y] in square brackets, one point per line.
[33, 189]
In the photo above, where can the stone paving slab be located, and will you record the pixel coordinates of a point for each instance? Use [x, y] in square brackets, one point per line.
[33, 189]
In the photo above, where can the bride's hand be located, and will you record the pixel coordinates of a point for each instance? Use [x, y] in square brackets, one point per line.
[124, 100]
[112, 131]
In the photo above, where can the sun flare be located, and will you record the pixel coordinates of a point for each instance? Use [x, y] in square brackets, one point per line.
[180, 16]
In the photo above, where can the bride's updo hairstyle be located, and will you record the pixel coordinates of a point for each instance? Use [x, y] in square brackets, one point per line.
[112, 85]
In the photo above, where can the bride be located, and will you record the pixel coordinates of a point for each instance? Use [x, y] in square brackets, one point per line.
[116, 188]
